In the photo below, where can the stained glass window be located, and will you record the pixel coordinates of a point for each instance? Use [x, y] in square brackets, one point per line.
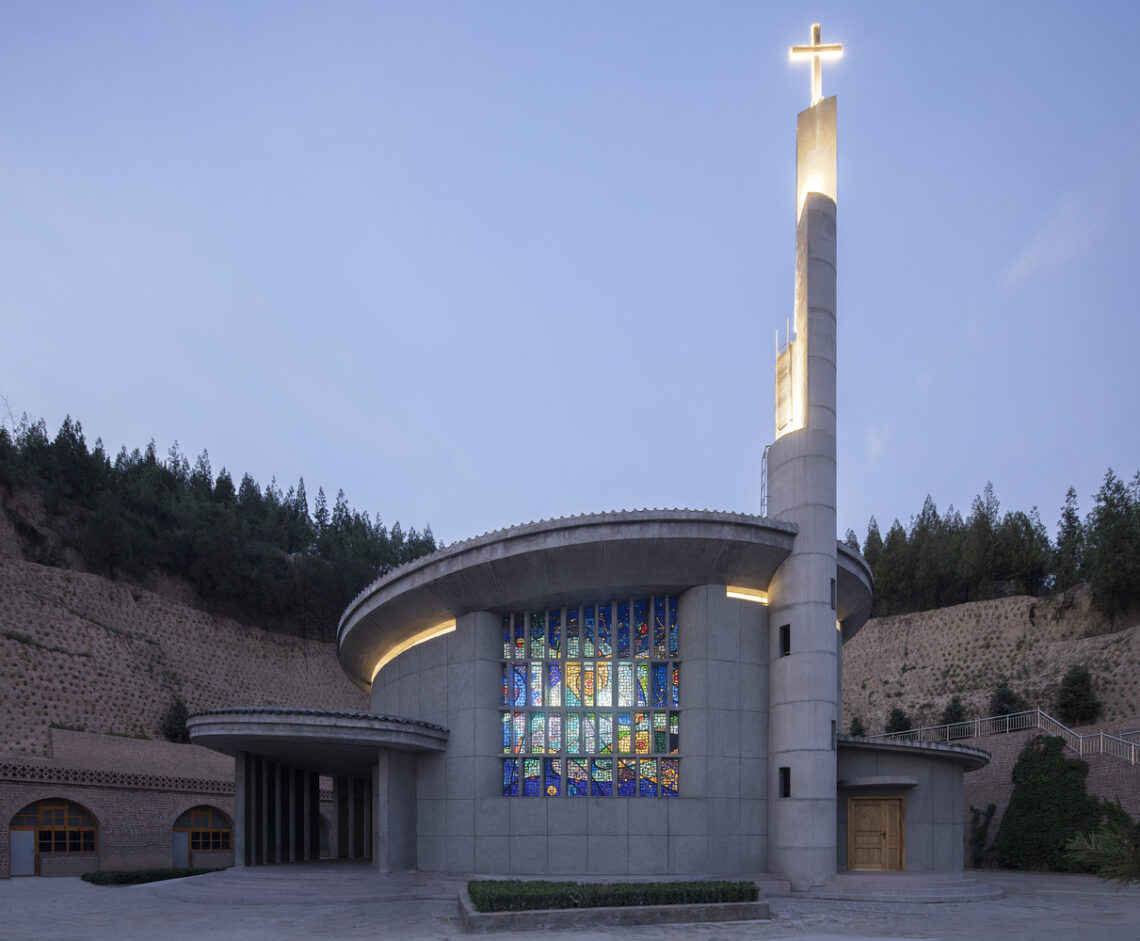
[591, 700]
[623, 629]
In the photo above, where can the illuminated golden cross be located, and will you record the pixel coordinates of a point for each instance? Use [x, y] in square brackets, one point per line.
[816, 52]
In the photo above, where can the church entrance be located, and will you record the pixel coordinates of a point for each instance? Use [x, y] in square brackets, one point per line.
[875, 833]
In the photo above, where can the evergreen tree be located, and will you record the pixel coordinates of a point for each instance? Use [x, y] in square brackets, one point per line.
[1004, 701]
[857, 727]
[1048, 807]
[899, 721]
[873, 545]
[954, 711]
[1112, 548]
[893, 575]
[1077, 704]
[1069, 557]
[850, 540]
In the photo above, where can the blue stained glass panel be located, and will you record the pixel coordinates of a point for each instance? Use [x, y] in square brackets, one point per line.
[670, 774]
[554, 634]
[660, 628]
[506, 733]
[624, 684]
[577, 777]
[508, 645]
[587, 632]
[605, 732]
[627, 777]
[623, 629]
[642, 675]
[623, 735]
[647, 777]
[641, 628]
[531, 782]
[537, 732]
[520, 637]
[573, 733]
[554, 732]
[536, 684]
[537, 636]
[552, 776]
[676, 686]
[510, 777]
[589, 734]
[660, 683]
[519, 738]
[573, 633]
[673, 636]
[554, 684]
[518, 684]
[605, 647]
[602, 777]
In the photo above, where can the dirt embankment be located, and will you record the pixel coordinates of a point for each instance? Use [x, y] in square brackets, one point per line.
[919, 661]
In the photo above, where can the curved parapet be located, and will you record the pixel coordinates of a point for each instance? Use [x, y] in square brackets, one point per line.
[331, 742]
[557, 561]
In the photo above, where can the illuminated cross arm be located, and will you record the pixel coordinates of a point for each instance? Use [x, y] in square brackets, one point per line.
[817, 51]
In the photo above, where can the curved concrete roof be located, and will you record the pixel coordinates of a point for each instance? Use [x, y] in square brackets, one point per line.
[570, 560]
[325, 741]
[969, 757]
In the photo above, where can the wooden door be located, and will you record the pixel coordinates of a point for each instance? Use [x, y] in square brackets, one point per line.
[875, 833]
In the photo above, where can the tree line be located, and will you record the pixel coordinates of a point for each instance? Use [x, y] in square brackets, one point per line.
[249, 552]
[943, 559]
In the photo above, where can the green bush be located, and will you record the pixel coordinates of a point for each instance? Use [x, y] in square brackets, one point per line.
[139, 876]
[513, 895]
[1076, 701]
[1048, 807]
[899, 721]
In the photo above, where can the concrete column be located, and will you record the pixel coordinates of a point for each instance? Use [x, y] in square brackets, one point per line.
[271, 812]
[340, 799]
[284, 813]
[804, 704]
[313, 811]
[241, 835]
[257, 835]
[298, 796]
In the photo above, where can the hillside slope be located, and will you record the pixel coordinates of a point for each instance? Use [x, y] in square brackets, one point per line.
[79, 651]
[919, 661]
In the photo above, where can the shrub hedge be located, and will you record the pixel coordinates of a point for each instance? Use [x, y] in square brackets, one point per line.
[139, 876]
[513, 895]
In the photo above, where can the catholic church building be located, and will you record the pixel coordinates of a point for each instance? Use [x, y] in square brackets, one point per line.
[630, 693]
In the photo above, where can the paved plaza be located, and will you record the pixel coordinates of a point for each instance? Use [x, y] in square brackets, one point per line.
[335, 901]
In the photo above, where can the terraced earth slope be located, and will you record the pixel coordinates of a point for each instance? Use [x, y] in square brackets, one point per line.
[919, 661]
[80, 652]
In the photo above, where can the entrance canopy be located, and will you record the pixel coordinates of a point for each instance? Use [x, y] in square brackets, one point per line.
[325, 741]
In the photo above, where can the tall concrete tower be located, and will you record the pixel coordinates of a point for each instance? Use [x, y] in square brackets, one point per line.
[804, 663]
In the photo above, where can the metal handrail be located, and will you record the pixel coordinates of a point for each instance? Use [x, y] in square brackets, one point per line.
[1125, 746]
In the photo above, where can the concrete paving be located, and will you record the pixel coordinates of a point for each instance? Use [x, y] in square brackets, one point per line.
[345, 902]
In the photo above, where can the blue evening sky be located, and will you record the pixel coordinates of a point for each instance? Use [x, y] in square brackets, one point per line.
[481, 263]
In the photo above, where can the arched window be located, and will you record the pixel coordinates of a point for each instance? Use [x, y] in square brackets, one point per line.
[60, 827]
[209, 829]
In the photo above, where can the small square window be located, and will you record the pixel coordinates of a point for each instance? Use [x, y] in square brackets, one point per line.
[785, 782]
[785, 639]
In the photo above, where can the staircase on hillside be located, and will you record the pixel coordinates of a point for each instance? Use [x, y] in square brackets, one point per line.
[1125, 746]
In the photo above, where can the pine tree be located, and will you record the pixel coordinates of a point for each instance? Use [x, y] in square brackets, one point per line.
[1077, 704]
[1113, 548]
[1068, 561]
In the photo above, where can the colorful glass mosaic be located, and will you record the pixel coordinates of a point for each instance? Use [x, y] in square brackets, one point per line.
[603, 641]
[647, 777]
[573, 633]
[602, 777]
[627, 777]
[537, 636]
[590, 697]
[641, 675]
[577, 777]
[530, 782]
[554, 635]
[623, 629]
